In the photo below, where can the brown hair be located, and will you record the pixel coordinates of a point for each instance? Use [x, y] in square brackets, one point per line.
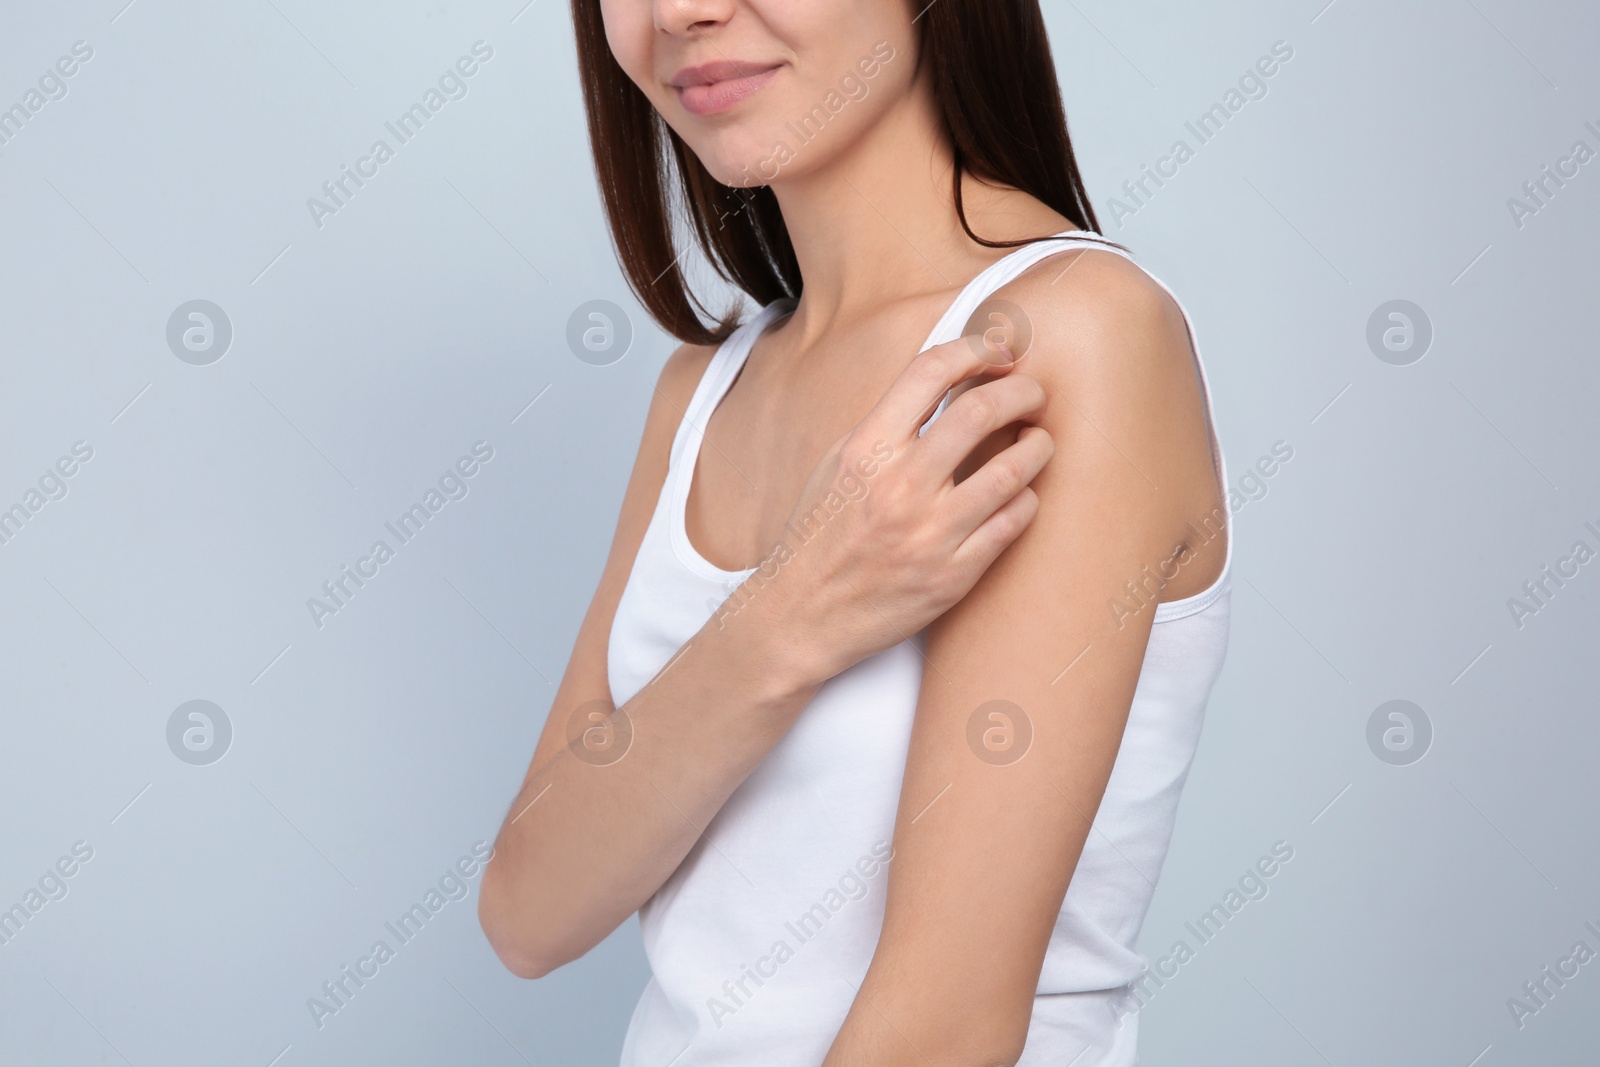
[994, 83]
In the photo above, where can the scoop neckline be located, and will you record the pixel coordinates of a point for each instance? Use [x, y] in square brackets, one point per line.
[722, 364]
[730, 358]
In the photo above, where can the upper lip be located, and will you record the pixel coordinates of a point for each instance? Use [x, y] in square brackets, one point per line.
[720, 71]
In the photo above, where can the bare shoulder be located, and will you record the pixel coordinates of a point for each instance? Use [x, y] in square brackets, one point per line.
[681, 374]
[1112, 348]
[1097, 317]
[675, 386]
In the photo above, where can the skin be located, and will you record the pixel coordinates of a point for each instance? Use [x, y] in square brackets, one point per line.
[1006, 531]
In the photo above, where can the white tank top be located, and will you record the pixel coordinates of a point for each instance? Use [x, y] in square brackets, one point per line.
[759, 939]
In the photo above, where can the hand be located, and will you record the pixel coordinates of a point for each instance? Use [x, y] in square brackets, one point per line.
[882, 540]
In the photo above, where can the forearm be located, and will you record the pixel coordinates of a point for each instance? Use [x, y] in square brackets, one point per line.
[587, 842]
[918, 1015]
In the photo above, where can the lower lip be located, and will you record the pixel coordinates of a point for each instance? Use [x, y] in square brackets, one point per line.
[721, 96]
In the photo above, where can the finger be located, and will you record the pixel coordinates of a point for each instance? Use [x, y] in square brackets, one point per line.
[984, 545]
[973, 416]
[998, 481]
[907, 404]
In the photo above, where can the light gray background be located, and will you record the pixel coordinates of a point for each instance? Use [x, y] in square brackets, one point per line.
[369, 354]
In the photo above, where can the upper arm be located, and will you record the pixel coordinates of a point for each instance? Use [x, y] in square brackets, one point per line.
[586, 678]
[987, 838]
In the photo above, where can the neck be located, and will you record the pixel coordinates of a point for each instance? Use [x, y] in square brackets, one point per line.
[878, 223]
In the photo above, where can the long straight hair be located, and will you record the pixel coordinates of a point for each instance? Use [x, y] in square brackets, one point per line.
[994, 85]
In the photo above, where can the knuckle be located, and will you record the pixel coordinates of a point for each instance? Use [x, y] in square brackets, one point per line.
[975, 412]
[1007, 527]
[931, 366]
[890, 500]
[1005, 475]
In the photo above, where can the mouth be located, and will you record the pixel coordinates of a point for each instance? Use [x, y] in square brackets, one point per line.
[717, 87]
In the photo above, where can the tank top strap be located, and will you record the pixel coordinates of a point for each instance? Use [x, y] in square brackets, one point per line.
[1006, 270]
[994, 277]
[720, 373]
[730, 356]
[1002, 272]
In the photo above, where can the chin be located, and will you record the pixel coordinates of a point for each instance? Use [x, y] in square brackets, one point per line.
[741, 159]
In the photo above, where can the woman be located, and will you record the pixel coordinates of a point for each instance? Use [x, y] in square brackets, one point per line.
[903, 795]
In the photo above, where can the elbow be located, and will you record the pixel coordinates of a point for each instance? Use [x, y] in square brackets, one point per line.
[524, 966]
[519, 960]
[515, 941]
[536, 925]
